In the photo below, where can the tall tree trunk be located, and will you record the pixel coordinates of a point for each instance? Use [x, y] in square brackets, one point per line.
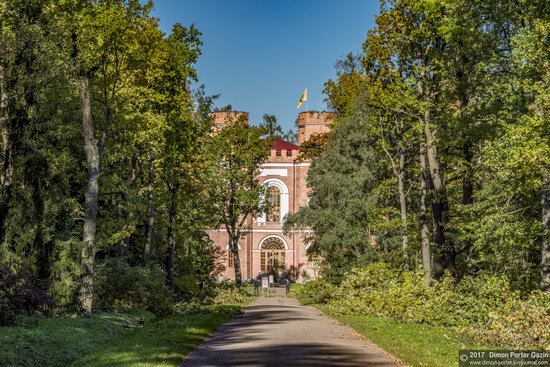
[123, 243]
[6, 176]
[424, 231]
[545, 251]
[91, 204]
[234, 246]
[468, 178]
[439, 202]
[467, 146]
[44, 247]
[170, 253]
[403, 209]
[149, 222]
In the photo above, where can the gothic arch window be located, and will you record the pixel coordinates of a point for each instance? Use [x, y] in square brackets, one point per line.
[273, 196]
[272, 255]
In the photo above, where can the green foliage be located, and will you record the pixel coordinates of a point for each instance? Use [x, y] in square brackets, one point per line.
[485, 307]
[150, 130]
[271, 126]
[235, 192]
[525, 324]
[341, 199]
[120, 286]
[315, 291]
[226, 298]
[21, 292]
[241, 296]
[439, 153]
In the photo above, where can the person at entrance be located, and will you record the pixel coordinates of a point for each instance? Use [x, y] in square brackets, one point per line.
[257, 283]
[287, 285]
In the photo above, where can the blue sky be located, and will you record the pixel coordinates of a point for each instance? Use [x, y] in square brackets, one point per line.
[261, 54]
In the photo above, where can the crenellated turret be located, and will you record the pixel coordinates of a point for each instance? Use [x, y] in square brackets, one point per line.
[221, 118]
[313, 122]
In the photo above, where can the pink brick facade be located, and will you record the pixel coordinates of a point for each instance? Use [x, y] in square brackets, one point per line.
[287, 176]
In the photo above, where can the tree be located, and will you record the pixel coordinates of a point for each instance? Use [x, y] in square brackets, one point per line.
[102, 62]
[236, 192]
[341, 210]
[445, 90]
[291, 136]
[271, 126]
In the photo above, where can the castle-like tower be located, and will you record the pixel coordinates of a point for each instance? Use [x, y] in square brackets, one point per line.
[313, 122]
[266, 248]
[221, 118]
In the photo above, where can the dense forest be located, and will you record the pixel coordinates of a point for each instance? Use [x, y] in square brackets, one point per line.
[440, 153]
[108, 161]
[430, 197]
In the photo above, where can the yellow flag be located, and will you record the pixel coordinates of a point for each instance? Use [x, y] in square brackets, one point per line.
[303, 99]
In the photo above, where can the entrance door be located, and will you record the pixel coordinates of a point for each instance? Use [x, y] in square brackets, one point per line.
[272, 255]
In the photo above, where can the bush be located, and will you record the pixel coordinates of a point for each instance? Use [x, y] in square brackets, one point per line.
[227, 299]
[315, 291]
[525, 325]
[120, 287]
[21, 294]
[225, 295]
[194, 307]
[484, 307]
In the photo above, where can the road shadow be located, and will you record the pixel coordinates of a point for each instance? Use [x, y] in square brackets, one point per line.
[296, 355]
[243, 341]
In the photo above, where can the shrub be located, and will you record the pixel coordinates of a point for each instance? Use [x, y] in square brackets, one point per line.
[121, 287]
[227, 299]
[485, 307]
[525, 325]
[315, 291]
[186, 286]
[194, 307]
[21, 294]
[224, 295]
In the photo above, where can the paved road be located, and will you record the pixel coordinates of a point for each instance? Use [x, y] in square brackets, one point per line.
[278, 331]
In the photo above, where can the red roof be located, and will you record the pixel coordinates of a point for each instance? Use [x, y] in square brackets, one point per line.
[280, 144]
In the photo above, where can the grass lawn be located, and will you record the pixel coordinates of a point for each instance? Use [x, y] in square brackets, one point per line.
[162, 343]
[60, 341]
[417, 345]
[128, 339]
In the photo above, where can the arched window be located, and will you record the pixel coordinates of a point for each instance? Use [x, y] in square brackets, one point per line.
[273, 195]
[272, 255]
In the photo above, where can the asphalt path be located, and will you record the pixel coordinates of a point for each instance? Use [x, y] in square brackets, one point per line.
[279, 331]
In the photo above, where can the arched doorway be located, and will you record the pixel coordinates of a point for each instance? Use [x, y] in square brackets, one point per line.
[272, 255]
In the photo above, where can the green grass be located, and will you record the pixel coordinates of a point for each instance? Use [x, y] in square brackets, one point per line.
[127, 339]
[162, 343]
[417, 345]
[60, 341]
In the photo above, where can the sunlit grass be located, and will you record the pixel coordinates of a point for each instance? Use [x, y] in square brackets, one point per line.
[163, 343]
[59, 341]
[417, 345]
